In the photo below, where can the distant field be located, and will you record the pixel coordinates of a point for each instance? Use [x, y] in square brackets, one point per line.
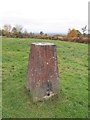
[72, 101]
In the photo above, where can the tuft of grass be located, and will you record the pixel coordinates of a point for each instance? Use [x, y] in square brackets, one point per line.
[72, 99]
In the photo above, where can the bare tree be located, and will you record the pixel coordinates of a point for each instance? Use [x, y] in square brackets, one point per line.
[26, 34]
[18, 28]
[17, 31]
[84, 30]
[7, 27]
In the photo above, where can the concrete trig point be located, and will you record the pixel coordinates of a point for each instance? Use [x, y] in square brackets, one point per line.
[42, 75]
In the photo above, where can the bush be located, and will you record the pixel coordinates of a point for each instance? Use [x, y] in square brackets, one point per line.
[73, 33]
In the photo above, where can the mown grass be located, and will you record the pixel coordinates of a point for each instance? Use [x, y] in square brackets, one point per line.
[72, 100]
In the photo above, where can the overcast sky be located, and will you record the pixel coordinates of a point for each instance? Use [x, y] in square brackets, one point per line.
[55, 16]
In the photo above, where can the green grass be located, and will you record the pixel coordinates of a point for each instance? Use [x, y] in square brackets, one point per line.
[0, 77]
[72, 100]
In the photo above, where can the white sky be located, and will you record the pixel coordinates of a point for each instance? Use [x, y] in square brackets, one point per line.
[45, 15]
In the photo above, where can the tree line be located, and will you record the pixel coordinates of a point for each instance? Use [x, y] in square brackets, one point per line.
[17, 31]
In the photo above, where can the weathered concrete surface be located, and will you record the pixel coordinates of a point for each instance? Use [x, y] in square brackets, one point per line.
[42, 75]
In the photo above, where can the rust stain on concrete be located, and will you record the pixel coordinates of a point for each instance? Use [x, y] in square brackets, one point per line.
[42, 75]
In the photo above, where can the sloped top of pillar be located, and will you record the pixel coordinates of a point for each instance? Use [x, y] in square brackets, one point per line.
[42, 43]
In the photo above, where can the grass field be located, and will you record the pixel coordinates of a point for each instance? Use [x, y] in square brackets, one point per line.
[0, 77]
[72, 100]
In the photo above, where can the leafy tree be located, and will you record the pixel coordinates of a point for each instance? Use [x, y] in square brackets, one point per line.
[14, 32]
[79, 33]
[73, 33]
[45, 34]
[0, 32]
[6, 30]
[41, 33]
